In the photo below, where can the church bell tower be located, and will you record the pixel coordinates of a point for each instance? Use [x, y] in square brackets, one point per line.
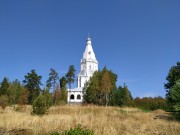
[88, 64]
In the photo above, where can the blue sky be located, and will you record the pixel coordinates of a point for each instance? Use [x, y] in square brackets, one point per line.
[138, 40]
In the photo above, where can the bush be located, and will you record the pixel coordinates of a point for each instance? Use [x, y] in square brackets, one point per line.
[78, 130]
[149, 103]
[22, 101]
[4, 101]
[54, 133]
[41, 105]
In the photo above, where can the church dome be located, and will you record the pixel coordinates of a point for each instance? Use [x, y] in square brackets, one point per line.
[88, 39]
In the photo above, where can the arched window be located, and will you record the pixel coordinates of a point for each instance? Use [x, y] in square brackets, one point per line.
[78, 96]
[89, 66]
[72, 96]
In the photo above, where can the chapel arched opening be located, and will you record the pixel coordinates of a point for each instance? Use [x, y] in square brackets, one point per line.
[79, 97]
[72, 96]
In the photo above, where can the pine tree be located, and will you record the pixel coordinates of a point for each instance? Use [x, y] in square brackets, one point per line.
[63, 82]
[172, 77]
[53, 79]
[63, 92]
[32, 82]
[70, 76]
[4, 86]
[125, 95]
[175, 95]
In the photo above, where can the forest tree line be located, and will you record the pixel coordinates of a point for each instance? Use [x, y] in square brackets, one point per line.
[101, 89]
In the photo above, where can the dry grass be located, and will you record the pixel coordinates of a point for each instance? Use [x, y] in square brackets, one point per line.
[103, 120]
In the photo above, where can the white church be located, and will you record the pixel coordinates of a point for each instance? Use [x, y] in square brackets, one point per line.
[88, 66]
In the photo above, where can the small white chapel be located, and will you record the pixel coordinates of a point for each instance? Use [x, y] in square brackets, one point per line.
[88, 65]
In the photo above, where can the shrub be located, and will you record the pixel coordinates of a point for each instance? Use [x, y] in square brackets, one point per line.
[78, 130]
[4, 101]
[40, 105]
[149, 103]
[22, 101]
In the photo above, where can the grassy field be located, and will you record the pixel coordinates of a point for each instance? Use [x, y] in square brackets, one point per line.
[103, 120]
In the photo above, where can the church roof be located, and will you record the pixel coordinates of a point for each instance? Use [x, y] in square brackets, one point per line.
[88, 54]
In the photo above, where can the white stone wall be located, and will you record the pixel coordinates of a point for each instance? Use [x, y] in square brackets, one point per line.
[75, 92]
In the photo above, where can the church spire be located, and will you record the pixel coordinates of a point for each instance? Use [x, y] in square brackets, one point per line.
[88, 39]
[89, 53]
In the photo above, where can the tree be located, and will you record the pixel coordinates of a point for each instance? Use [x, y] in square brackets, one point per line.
[99, 88]
[63, 82]
[32, 82]
[23, 99]
[4, 87]
[70, 76]
[53, 78]
[4, 101]
[14, 91]
[172, 77]
[149, 103]
[125, 95]
[106, 85]
[175, 95]
[55, 95]
[63, 92]
[62, 96]
[48, 96]
[40, 105]
[121, 96]
[115, 99]
[91, 91]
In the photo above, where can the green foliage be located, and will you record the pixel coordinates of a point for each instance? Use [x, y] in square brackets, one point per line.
[70, 76]
[4, 86]
[125, 95]
[59, 96]
[63, 96]
[53, 78]
[48, 97]
[63, 82]
[175, 95]
[106, 85]
[23, 99]
[15, 91]
[173, 76]
[41, 104]
[54, 133]
[149, 103]
[63, 91]
[115, 98]
[4, 101]
[32, 82]
[78, 130]
[56, 95]
[98, 89]
[121, 96]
